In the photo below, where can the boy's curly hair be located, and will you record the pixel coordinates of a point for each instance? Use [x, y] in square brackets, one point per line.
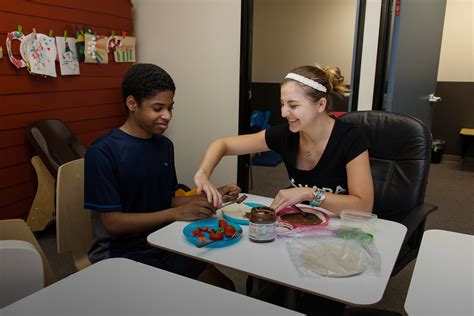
[143, 81]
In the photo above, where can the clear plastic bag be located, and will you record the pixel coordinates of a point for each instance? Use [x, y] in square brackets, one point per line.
[333, 252]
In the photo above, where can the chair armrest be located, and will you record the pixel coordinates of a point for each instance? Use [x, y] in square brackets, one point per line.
[416, 217]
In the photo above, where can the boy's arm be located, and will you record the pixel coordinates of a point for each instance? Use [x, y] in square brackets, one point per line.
[119, 223]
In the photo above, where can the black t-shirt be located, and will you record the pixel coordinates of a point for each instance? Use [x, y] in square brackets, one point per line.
[346, 142]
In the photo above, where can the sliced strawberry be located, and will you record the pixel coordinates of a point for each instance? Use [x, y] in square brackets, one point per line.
[203, 239]
[229, 231]
[196, 232]
[216, 236]
[222, 223]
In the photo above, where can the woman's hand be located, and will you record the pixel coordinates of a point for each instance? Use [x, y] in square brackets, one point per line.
[292, 196]
[204, 187]
[229, 192]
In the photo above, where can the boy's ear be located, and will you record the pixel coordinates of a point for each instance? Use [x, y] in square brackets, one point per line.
[131, 103]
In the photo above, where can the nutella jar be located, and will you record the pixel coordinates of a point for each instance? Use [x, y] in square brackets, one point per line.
[262, 224]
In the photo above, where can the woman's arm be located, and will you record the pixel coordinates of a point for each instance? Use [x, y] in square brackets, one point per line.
[360, 187]
[235, 145]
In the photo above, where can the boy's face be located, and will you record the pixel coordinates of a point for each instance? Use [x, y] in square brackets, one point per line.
[153, 115]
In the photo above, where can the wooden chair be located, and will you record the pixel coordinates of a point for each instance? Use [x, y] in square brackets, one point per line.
[73, 222]
[54, 145]
[42, 209]
[17, 229]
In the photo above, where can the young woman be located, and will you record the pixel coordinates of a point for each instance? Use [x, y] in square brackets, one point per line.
[327, 160]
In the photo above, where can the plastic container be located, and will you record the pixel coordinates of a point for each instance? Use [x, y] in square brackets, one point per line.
[357, 219]
[262, 224]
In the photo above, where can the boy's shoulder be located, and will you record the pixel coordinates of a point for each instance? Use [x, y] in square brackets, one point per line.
[107, 139]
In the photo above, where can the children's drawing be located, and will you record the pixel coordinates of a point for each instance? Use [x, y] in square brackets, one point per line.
[41, 51]
[96, 49]
[80, 45]
[123, 48]
[68, 59]
[12, 36]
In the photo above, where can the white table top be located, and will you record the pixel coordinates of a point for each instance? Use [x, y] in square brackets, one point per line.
[442, 282]
[124, 287]
[271, 261]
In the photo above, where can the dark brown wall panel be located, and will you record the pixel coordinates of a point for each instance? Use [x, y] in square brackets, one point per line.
[90, 104]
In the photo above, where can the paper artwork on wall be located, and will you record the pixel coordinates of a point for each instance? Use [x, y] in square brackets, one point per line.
[123, 48]
[96, 49]
[18, 36]
[67, 53]
[41, 50]
[80, 45]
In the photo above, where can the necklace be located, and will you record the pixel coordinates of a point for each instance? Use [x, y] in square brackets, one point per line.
[309, 152]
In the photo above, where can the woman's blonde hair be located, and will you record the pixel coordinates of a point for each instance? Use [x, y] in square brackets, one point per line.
[329, 77]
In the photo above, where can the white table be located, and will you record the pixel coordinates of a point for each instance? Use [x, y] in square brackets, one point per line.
[272, 262]
[442, 282]
[124, 287]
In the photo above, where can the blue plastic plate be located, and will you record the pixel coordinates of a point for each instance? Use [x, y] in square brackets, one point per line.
[211, 223]
[238, 218]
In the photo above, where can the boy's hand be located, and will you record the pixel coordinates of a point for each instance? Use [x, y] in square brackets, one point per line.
[198, 208]
[229, 192]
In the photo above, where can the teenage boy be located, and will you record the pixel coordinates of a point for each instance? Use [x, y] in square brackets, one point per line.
[130, 181]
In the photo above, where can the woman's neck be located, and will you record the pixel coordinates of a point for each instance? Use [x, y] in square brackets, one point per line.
[320, 131]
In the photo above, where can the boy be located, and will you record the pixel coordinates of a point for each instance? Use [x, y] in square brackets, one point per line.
[130, 180]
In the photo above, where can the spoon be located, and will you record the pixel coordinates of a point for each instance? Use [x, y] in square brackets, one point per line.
[304, 214]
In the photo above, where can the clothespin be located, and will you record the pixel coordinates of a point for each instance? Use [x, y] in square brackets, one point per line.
[20, 28]
[65, 35]
[50, 33]
[34, 32]
[113, 33]
[124, 34]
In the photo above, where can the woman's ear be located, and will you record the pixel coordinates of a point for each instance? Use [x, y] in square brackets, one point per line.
[131, 103]
[322, 104]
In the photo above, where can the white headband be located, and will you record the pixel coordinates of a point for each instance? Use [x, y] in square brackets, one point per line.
[311, 83]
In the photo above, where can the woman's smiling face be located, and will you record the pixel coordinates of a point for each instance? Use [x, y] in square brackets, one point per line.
[296, 108]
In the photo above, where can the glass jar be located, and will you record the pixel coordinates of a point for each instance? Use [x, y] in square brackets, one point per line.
[262, 224]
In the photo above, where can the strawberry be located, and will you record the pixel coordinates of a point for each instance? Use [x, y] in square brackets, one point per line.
[216, 236]
[229, 231]
[222, 223]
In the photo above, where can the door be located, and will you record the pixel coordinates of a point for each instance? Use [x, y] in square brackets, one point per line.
[414, 57]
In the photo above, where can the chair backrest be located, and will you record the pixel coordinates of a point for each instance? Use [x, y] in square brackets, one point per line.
[54, 143]
[17, 229]
[21, 271]
[73, 222]
[400, 151]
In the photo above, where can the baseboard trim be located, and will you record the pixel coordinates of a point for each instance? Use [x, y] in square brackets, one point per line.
[453, 158]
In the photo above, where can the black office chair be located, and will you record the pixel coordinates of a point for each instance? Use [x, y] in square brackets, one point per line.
[400, 151]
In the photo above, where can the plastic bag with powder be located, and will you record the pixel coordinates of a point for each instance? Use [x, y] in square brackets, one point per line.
[336, 252]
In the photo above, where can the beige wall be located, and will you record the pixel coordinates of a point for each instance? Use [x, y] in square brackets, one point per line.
[198, 43]
[456, 62]
[292, 33]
